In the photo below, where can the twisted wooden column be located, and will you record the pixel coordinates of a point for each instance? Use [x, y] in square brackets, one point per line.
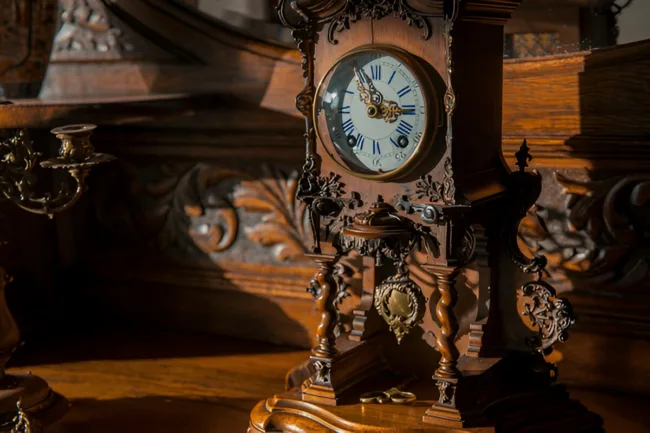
[325, 305]
[446, 279]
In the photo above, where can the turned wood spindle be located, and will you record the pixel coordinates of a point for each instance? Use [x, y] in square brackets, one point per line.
[446, 279]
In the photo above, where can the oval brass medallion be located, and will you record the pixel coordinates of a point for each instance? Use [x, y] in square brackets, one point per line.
[401, 304]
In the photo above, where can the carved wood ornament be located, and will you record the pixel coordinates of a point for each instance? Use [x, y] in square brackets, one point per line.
[452, 203]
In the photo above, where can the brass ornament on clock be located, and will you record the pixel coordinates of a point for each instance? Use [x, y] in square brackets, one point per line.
[376, 112]
[400, 303]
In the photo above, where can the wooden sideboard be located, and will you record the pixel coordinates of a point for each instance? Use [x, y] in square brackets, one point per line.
[197, 226]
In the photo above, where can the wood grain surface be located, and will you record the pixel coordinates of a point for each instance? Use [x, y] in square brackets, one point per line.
[137, 381]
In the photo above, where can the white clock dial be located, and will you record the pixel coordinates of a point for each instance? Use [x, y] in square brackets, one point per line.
[374, 109]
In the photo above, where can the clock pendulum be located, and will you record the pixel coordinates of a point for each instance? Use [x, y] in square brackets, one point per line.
[402, 105]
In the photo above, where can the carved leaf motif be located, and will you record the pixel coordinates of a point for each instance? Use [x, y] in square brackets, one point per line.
[199, 206]
[354, 10]
[284, 221]
[597, 240]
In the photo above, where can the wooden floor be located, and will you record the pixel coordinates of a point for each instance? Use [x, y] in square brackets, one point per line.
[167, 383]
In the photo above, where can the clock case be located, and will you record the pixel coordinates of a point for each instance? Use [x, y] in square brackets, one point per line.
[458, 208]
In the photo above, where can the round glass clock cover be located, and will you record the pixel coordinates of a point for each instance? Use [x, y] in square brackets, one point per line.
[375, 110]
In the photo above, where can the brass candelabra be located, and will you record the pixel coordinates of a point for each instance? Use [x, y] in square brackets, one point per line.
[25, 399]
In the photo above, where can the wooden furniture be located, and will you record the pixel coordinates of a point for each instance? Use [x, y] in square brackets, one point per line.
[193, 381]
[438, 197]
[549, 27]
[207, 99]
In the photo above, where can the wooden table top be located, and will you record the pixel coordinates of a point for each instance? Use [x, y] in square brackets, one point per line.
[168, 383]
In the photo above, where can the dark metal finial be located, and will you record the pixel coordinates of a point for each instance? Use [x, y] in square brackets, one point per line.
[523, 156]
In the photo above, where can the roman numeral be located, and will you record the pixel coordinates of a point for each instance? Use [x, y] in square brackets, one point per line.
[360, 75]
[360, 140]
[345, 110]
[404, 127]
[405, 91]
[348, 127]
[391, 77]
[394, 142]
[375, 147]
[375, 70]
[408, 110]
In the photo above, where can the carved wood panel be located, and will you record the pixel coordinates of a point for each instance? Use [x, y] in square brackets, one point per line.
[223, 211]
[595, 233]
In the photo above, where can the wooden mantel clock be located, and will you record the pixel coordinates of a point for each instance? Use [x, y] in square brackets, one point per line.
[402, 105]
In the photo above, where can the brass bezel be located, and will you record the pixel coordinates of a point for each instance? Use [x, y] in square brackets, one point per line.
[431, 104]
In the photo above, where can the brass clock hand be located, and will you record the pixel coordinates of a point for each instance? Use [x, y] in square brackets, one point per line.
[366, 95]
[390, 111]
[377, 97]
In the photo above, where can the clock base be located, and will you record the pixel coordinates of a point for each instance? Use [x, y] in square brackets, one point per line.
[287, 412]
[355, 362]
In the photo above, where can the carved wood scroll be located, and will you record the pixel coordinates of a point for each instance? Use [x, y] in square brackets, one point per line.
[595, 235]
[207, 208]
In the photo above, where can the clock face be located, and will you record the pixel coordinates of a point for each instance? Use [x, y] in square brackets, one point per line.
[374, 109]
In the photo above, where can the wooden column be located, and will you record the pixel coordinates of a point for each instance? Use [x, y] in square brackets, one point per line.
[446, 278]
[325, 305]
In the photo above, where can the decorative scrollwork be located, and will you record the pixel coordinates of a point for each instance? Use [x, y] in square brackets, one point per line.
[400, 303]
[283, 221]
[328, 200]
[447, 190]
[379, 232]
[377, 248]
[17, 160]
[354, 10]
[322, 376]
[436, 192]
[549, 315]
[446, 390]
[192, 208]
[595, 235]
[429, 214]
[533, 265]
